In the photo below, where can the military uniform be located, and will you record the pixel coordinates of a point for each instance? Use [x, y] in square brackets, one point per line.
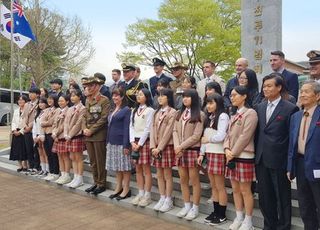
[153, 81]
[177, 83]
[95, 119]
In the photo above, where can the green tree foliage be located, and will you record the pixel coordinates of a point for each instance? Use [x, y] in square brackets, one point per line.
[63, 47]
[189, 31]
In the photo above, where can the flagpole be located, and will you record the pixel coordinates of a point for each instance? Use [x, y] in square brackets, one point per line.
[12, 61]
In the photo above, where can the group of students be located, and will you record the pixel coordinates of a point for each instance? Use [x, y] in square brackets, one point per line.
[195, 134]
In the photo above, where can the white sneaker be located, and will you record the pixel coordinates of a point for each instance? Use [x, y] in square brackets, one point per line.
[246, 227]
[235, 225]
[136, 200]
[65, 180]
[78, 182]
[145, 201]
[55, 177]
[192, 214]
[167, 206]
[71, 183]
[48, 177]
[183, 212]
[159, 205]
[58, 181]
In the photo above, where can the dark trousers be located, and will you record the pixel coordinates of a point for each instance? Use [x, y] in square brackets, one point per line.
[274, 197]
[52, 157]
[308, 198]
[29, 149]
[97, 154]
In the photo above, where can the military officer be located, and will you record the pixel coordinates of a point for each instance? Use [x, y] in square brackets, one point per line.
[178, 71]
[94, 126]
[131, 85]
[158, 66]
[314, 61]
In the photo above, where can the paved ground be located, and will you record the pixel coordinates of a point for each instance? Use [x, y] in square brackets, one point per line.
[26, 204]
[4, 136]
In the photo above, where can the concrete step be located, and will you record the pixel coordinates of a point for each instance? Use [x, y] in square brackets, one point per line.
[204, 208]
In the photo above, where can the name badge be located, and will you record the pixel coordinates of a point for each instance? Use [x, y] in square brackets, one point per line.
[316, 173]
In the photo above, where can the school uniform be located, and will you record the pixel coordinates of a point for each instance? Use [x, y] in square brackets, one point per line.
[240, 140]
[117, 140]
[139, 132]
[161, 137]
[73, 128]
[28, 118]
[187, 135]
[18, 146]
[213, 150]
[37, 131]
[59, 146]
[46, 121]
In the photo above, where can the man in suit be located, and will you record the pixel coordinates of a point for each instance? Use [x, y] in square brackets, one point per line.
[116, 75]
[272, 152]
[94, 126]
[303, 155]
[241, 65]
[277, 61]
[158, 66]
[314, 61]
[131, 85]
[104, 90]
[209, 76]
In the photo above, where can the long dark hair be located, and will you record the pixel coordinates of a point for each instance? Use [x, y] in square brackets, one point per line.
[169, 93]
[55, 100]
[66, 97]
[211, 85]
[41, 100]
[195, 105]
[242, 90]
[253, 86]
[147, 94]
[218, 99]
[78, 93]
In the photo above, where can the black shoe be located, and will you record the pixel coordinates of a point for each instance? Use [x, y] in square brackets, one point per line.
[210, 218]
[19, 169]
[218, 220]
[124, 197]
[116, 194]
[93, 187]
[98, 190]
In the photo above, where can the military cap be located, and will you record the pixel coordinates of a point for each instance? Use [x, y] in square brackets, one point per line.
[179, 65]
[128, 67]
[100, 76]
[157, 61]
[314, 56]
[56, 81]
[93, 80]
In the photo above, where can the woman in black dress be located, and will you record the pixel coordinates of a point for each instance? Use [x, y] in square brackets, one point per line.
[18, 147]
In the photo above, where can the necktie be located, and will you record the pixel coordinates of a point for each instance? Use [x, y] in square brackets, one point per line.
[305, 117]
[269, 111]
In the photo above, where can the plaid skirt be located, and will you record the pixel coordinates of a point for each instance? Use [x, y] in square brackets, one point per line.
[216, 163]
[167, 160]
[60, 147]
[243, 172]
[188, 159]
[76, 145]
[145, 153]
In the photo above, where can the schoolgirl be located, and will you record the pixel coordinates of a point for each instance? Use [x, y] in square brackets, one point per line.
[239, 150]
[187, 134]
[60, 146]
[18, 146]
[140, 124]
[216, 126]
[47, 119]
[38, 136]
[161, 145]
[74, 138]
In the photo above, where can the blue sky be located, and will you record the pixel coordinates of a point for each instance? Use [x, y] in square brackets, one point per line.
[109, 19]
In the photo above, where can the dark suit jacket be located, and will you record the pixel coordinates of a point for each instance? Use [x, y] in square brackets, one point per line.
[312, 154]
[118, 128]
[292, 83]
[272, 139]
[154, 81]
[233, 82]
[105, 91]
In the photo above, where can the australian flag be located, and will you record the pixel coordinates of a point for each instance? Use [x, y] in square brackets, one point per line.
[22, 33]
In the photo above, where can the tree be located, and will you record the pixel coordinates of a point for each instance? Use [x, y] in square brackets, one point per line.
[189, 31]
[63, 45]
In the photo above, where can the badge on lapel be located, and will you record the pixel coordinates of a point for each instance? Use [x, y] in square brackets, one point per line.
[279, 118]
[239, 122]
[318, 123]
